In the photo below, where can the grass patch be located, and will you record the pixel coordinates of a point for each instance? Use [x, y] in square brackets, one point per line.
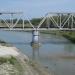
[11, 60]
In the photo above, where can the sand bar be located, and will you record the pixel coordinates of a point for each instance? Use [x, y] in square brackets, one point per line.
[8, 51]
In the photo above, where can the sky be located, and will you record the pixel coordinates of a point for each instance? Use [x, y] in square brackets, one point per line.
[37, 8]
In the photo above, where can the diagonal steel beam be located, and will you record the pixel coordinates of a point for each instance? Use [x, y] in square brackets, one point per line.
[66, 20]
[30, 23]
[41, 22]
[5, 22]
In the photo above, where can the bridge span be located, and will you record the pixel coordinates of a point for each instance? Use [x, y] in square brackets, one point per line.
[51, 21]
[40, 29]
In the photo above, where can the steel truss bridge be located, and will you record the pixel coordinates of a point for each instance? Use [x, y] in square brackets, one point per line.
[51, 21]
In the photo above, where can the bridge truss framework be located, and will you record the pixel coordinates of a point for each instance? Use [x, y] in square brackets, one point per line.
[58, 21]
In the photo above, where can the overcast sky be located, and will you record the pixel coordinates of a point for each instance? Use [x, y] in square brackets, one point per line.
[37, 8]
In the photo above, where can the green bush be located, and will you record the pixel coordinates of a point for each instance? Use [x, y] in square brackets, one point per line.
[11, 60]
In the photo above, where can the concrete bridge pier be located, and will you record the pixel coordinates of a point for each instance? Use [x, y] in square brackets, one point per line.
[35, 38]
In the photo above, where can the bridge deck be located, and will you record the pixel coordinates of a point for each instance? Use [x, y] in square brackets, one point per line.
[30, 29]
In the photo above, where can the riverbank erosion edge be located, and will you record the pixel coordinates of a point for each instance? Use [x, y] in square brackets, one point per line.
[13, 62]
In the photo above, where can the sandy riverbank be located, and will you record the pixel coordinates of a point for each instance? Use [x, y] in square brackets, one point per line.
[11, 51]
[6, 51]
[20, 63]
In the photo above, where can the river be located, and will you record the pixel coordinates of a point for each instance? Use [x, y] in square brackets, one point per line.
[55, 53]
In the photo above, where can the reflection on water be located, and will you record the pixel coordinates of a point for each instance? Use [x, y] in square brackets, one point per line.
[35, 50]
[69, 48]
[57, 55]
[35, 53]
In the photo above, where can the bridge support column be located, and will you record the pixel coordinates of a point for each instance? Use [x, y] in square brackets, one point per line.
[35, 38]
